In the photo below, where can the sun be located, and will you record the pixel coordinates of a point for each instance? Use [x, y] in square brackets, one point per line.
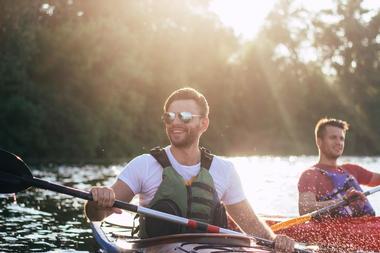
[245, 17]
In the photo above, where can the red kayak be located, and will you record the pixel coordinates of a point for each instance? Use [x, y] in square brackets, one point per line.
[339, 235]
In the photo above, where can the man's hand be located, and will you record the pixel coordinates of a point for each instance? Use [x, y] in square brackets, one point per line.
[282, 243]
[353, 194]
[104, 198]
[358, 198]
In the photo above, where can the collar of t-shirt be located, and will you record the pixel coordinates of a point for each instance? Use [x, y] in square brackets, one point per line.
[328, 167]
[187, 172]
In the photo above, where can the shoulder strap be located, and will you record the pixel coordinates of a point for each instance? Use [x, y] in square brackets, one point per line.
[206, 158]
[160, 155]
[322, 171]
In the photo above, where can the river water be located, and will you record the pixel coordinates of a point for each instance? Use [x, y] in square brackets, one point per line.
[42, 221]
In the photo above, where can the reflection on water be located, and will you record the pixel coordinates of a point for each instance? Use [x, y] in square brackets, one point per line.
[44, 221]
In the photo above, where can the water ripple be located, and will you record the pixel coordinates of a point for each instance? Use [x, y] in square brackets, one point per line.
[45, 221]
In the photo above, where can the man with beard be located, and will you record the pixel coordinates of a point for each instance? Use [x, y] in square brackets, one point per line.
[183, 179]
[327, 183]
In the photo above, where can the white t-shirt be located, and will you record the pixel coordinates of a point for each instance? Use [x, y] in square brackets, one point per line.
[144, 175]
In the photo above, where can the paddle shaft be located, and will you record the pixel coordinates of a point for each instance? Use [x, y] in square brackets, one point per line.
[344, 202]
[318, 213]
[39, 183]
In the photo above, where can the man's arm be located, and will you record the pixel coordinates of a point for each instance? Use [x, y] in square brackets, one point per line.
[243, 214]
[104, 197]
[375, 179]
[307, 202]
[307, 197]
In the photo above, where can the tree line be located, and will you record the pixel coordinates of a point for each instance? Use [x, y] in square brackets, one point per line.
[85, 81]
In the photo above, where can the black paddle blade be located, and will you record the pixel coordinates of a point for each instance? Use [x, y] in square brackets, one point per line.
[13, 173]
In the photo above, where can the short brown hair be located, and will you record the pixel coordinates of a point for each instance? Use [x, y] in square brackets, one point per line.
[188, 94]
[324, 122]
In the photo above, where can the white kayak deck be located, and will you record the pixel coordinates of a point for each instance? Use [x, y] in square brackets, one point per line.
[115, 235]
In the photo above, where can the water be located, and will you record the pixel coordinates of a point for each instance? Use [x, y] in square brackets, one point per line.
[270, 183]
[44, 221]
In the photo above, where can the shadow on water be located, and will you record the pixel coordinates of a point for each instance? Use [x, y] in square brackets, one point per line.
[44, 221]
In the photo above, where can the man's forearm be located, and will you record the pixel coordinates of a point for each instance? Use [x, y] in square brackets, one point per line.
[245, 217]
[316, 205]
[258, 227]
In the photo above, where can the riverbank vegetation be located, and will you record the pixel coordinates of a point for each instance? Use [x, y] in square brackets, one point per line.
[84, 81]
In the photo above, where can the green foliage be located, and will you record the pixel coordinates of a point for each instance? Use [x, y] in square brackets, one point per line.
[85, 81]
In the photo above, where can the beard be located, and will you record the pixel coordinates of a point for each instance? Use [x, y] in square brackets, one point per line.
[190, 138]
[332, 155]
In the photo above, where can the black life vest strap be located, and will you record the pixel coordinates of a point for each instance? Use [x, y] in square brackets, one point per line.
[206, 158]
[160, 155]
[203, 186]
[202, 201]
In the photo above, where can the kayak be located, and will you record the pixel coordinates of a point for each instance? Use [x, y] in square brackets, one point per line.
[197, 242]
[115, 235]
[112, 242]
[345, 234]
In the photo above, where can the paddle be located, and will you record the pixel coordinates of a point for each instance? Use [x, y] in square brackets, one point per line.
[16, 176]
[318, 213]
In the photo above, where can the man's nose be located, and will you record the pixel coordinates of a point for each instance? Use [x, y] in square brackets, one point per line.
[177, 120]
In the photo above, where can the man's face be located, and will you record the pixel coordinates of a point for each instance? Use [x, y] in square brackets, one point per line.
[331, 145]
[183, 134]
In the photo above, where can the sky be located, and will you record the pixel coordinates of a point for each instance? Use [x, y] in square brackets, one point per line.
[247, 16]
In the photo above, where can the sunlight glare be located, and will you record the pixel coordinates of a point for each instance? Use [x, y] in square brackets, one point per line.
[245, 17]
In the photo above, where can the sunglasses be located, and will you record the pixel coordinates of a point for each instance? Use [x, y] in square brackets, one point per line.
[185, 117]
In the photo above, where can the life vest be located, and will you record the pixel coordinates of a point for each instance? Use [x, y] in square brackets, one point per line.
[195, 199]
[342, 181]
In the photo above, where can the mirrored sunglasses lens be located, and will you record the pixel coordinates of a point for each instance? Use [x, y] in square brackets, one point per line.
[185, 116]
[168, 117]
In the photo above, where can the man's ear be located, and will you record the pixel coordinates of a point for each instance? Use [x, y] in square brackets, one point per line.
[204, 123]
[318, 141]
